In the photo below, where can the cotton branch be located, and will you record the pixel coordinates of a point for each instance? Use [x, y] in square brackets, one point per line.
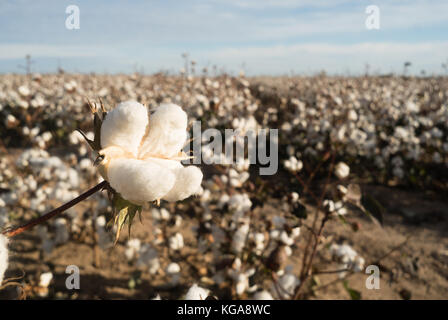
[11, 232]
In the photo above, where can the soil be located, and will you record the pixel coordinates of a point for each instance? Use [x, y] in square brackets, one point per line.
[412, 247]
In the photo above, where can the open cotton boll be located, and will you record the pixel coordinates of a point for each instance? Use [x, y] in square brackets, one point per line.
[342, 170]
[148, 257]
[188, 181]
[3, 256]
[262, 295]
[196, 293]
[167, 132]
[125, 126]
[139, 181]
[288, 282]
[45, 279]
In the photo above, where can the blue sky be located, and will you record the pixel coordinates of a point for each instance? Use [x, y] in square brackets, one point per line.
[261, 36]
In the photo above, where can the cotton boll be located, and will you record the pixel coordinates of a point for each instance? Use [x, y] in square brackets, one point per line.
[262, 295]
[348, 256]
[167, 132]
[242, 283]
[197, 293]
[173, 269]
[148, 257]
[125, 126]
[24, 91]
[288, 282]
[259, 242]
[139, 181]
[188, 182]
[342, 170]
[3, 256]
[45, 279]
[132, 248]
[239, 238]
[176, 242]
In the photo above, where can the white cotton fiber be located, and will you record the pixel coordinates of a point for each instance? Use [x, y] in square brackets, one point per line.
[142, 157]
[167, 132]
[125, 126]
[139, 181]
[188, 181]
[197, 293]
[3, 256]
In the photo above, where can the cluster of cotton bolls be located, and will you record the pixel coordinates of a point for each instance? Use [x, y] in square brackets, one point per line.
[349, 259]
[394, 125]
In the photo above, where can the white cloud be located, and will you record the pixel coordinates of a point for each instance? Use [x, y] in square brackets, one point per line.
[14, 51]
[335, 58]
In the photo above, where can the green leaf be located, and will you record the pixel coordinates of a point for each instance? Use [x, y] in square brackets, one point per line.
[354, 294]
[373, 208]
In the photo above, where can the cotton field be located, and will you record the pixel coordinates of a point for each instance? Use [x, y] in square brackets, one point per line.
[360, 180]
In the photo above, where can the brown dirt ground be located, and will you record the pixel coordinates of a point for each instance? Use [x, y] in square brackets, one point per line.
[418, 268]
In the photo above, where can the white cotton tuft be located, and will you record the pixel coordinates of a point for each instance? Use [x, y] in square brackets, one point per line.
[342, 170]
[148, 257]
[167, 132]
[262, 295]
[3, 256]
[188, 182]
[176, 242]
[196, 293]
[139, 181]
[125, 126]
[288, 282]
[45, 279]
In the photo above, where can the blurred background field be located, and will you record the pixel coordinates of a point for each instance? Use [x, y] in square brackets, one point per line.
[391, 131]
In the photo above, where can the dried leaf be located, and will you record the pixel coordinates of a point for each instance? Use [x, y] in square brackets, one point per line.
[372, 208]
[125, 211]
[354, 193]
[90, 142]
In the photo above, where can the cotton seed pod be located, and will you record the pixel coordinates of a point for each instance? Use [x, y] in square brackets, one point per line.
[277, 259]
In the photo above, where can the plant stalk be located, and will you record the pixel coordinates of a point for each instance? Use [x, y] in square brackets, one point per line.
[11, 232]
